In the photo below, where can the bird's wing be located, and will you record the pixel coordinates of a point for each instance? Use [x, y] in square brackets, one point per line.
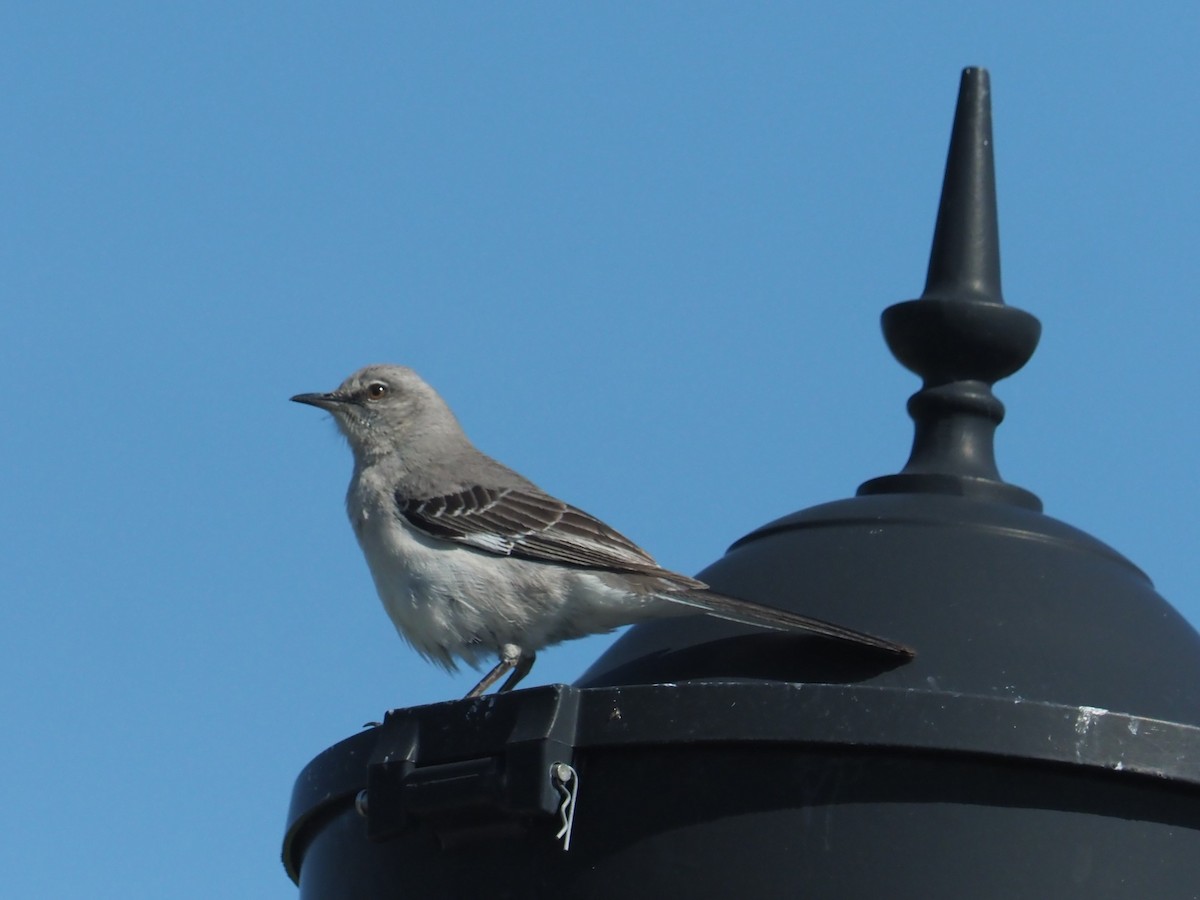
[531, 525]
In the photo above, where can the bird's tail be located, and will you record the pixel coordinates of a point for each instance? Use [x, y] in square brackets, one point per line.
[747, 613]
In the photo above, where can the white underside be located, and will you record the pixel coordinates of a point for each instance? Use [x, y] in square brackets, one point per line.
[452, 602]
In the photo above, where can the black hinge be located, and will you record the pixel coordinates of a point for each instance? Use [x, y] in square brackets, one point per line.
[472, 768]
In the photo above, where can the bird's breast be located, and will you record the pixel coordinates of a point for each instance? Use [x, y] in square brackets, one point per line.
[448, 600]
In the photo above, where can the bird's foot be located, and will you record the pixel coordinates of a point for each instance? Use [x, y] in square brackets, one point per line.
[515, 661]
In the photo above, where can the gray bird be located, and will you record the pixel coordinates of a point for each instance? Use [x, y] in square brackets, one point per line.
[471, 559]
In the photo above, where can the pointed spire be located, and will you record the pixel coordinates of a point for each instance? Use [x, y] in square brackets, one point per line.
[965, 260]
[960, 337]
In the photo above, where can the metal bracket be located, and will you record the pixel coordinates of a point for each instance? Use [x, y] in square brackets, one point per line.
[472, 768]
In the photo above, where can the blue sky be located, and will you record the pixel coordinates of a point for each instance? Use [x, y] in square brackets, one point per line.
[641, 248]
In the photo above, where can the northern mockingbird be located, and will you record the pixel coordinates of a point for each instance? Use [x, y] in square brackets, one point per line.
[471, 559]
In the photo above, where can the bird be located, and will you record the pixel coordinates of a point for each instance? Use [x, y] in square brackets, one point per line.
[473, 561]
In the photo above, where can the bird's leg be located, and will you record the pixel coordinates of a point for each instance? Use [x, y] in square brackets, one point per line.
[520, 670]
[511, 658]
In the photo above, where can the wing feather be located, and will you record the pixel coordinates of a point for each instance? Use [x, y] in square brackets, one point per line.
[530, 525]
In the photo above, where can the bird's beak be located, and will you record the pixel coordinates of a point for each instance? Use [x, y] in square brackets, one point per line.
[323, 401]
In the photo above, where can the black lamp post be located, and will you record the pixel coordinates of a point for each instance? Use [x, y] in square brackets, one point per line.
[1044, 743]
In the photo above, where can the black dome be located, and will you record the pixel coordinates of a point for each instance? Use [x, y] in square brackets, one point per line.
[998, 601]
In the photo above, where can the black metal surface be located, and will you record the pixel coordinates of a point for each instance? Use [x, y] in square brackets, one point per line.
[772, 822]
[706, 752]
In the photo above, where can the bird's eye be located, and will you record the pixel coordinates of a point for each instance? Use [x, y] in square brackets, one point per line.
[376, 390]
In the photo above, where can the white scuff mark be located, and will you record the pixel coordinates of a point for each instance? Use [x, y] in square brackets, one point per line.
[1087, 716]
[1132, 726]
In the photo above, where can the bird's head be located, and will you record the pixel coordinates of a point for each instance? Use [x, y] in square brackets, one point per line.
[384, 409]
